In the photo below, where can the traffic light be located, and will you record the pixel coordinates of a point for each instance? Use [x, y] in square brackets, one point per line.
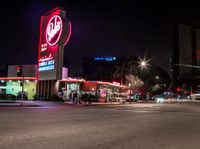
[19, 71]
[178, 89]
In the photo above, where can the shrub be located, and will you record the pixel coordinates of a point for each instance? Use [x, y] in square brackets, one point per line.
[93, 98]
[55, 98]
[7, 97]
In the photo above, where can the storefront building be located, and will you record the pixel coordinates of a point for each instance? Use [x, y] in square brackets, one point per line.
[15, 85]
[106, 91]
[20, 78]
[69, 86]
[49, 77]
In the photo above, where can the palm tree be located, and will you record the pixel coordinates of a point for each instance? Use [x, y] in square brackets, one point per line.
[126, 68]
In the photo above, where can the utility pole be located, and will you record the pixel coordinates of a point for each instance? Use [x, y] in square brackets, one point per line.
[22, 87]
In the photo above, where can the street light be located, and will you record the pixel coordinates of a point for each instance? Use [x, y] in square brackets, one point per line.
[143, 63]
[157, 77]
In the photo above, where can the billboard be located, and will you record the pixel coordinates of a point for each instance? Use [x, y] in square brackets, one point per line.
[55, 31]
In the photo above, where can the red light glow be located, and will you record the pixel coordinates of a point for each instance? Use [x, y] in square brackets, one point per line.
[54, 30]
[17, 78]
[70, 32]
[46, 58]
[73, 80]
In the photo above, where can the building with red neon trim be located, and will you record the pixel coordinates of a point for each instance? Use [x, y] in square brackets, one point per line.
[49, 77]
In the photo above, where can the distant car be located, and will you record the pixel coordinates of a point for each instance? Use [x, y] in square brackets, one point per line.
[196, 96]
[133, 97]
[10, 97]
[19, 95]
[158, 98]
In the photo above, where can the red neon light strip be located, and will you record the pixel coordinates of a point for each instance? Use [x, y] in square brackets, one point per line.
[73, 80]
[18, 78]
[43, 59]
[92, 83]
[69, 35]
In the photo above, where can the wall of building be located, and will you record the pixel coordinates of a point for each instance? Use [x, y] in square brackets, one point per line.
[27, 70]
[197, 50]
[185, 47]
[13, 87]
[184, 58]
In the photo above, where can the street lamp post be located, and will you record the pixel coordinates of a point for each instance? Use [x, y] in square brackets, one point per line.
[129, 85]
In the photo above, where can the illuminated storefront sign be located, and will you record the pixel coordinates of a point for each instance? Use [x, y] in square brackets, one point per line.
[55, 32]
[46, 61]
[48, 65]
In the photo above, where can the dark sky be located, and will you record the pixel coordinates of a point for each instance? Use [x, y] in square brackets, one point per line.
[99, 28]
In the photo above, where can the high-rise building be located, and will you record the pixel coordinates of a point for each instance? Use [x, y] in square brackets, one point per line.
[186, 52]
[196, 54]
[100, 68]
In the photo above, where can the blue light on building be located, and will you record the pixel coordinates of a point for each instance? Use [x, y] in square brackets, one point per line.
[109, 58]
[48, 65]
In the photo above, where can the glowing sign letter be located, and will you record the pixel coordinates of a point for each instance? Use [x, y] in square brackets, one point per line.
[54, 30]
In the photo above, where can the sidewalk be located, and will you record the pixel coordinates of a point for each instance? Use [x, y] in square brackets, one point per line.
[27, 103]
[10, 103]
[14, 103]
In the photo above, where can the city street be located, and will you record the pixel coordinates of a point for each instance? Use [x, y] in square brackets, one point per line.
[120, 126]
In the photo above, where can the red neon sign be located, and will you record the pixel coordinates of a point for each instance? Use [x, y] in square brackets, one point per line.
[54, 30]
[46, 58]
[70, 32]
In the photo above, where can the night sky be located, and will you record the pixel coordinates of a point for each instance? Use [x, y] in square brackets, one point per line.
[99, 28]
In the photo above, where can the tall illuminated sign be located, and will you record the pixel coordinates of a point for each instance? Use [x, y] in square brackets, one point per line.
[55, 32]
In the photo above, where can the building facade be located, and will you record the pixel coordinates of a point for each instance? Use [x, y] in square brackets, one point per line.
[100, 68]
[20, 78]
[185, 62]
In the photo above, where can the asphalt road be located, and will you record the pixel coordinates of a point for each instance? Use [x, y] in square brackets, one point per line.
[127, 126]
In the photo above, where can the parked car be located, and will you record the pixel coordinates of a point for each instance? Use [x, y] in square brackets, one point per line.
[135, 97]
[19, 95]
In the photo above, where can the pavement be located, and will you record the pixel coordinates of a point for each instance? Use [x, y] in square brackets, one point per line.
[124, 126]
[15, 103]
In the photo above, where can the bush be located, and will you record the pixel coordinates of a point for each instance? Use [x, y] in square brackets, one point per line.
[7, 97]
[55, 98]
[93, 98]
[2, 96]
[35, 97]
